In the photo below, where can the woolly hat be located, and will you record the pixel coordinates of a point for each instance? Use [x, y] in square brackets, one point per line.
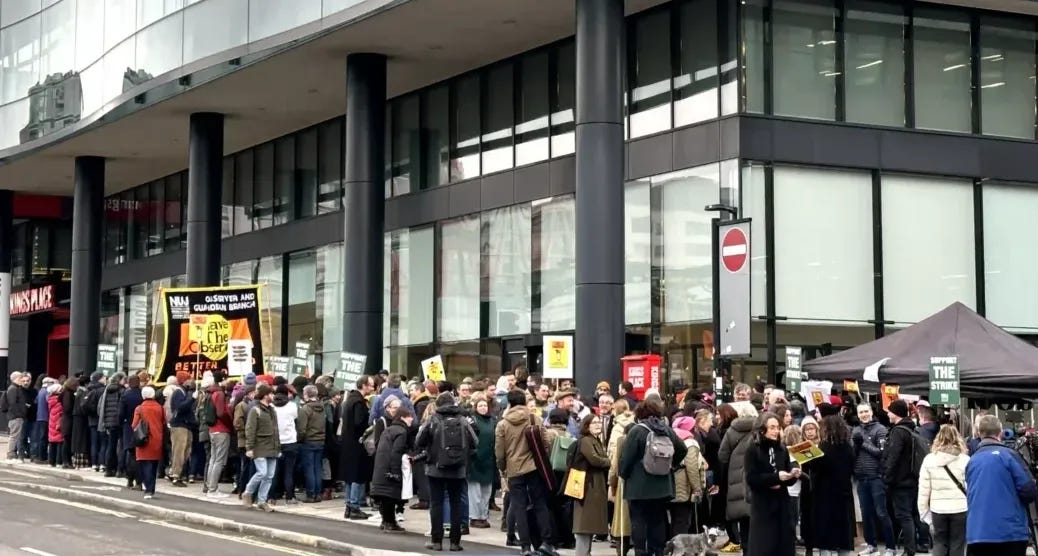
[148, 393]
[250, 378]
[53, 388]
[183, 377]
[444, 400]
[809, 420]
[96, 376]
[899, 408]
[827, 409]
[602, 386]
[683, 427]
[389, 399]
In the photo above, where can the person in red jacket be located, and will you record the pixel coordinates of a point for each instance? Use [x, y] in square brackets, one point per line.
[219, 438]
[55, 438]
[148, 456]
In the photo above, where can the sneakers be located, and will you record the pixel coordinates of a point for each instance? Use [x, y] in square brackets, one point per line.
[356, 514]
[180, 484]
[216, 495]
[889, 552]
[730, 548]
[456, 547]
[264, 507]
[434, 546]
[869, 551]
[149, 496]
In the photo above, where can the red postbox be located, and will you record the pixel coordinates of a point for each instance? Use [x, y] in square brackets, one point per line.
[643, 372]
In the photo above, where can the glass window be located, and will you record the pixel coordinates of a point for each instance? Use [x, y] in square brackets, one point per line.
[89, 35]
[563, 100]
[240, 274]
[825, 271]
[406, 145]
[458, 298]
[284, 179]
[243, 209]
[263, 187]
[214, 26]
[119, 75]
[120, 21]
[695, 86]
[13, 118]
[498, 118]
[270, 17]
[435, 114]
[805, 59]
[116, 213]
[555, 234]
[174, 213]
[135, 332]
[686, 281]
[650, 74]
[329, 7]
[754, 46]
[942, 70]
[14, 10]
[531, 128]
[506, 254]
[330, 161]
[875, 63]
[156, 206]
[305, 192]
[752, 205]
[58, 40]
[160, 48]
[301, 311]
[227, 210]
[1010, 255]
[637, 252]
[928, 255]
[1007, 76]
[410, 279]
[466, 128]
[19, 58]
[150, 11]
[270, 271]
[729, 57]
[111, 316]
[136, 221]
[329, 302]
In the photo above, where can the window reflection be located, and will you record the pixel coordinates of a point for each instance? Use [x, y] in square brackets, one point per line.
[15, 10]
[19, 58]
[753, 48]
[120, 21]
[685, 281]
[270, 17]
[695, 86]
[466, 127]
[875, 64]
[650, 96]
[214, 26]
[563, 100]
[497, 119]
[942, 70]
[637, 252]
[531, 128]
[506, 278]
[555, 231]
[458, 297]
[1007, 77]
[406, 145]
[805, 59]
[160, 47]
[330, 163]
[435, 131]
[409, 311]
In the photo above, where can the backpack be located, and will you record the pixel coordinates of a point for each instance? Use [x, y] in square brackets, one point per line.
[920, 447]
[205, 411]
[561, 450]
[141, 433]
[92, 400]
[659, 453]
[454, 443]
[368, 440]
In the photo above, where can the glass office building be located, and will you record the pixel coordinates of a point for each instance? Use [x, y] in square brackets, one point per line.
[882, 149]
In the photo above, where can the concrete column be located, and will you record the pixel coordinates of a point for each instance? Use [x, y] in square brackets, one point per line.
[364, 208]
[599, 340]
[87, 216]
[204, 197]
[6, 247]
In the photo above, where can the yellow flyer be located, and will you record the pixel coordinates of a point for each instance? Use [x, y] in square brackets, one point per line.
[805, 451]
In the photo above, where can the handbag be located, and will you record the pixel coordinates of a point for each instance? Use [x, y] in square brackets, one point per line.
[954, 480]
[575, 482]
[141, 433]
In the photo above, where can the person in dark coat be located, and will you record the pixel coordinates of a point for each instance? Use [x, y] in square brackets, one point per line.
[128, 403]
[108, 425]
[68, 402]
[832, 511]
[446, 476]
[356, 464]
[768, 473]
[482, 466]
[591, 514]
[387, 479]
[420, 398]
[732, 458]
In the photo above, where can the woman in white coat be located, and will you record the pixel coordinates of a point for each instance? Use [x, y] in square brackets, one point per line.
[942, 492]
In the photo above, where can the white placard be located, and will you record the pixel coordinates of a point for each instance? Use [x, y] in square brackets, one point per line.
[811, 387]
[239, 357]
[558, 357]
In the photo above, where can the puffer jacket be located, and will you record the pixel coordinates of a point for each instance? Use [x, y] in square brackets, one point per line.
[511, 451]
[733, 459]
[937, 491]
[869, 441]
[311, 425]
[55, 411]
[620, 423]
[691, 476]
[109, 412]
[261, 432]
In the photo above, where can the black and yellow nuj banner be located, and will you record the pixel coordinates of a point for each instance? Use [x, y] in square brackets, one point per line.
[211, 328]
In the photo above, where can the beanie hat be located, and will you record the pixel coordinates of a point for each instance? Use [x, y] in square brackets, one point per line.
[899, 408]
[602, 386]
[684, 423]
[265, 379]
[809, 420]
[389, 399]
[53, 388]
[183, 377]
[827, 409]
[250, 378]
[444, 400]
[148, 393]
[96, 376]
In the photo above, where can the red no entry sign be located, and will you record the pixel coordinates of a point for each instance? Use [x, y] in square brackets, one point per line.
[734, 250]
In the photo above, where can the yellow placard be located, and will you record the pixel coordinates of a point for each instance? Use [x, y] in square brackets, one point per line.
[889, 393]
[575, 484]
[805, 452]
[558, 357]
[850, 386]
[433, 369]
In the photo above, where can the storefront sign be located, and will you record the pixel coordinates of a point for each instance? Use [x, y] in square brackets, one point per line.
[643, 372]
[5, 317]
[558, 357]
[232, 327]
[433, 369]
[351, 367]
[278, 365]
[32, 300]
[107, 359]
[944, 380]
[301, 361]
[794, 375]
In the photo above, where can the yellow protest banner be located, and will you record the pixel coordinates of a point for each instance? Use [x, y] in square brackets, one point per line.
[433, 369]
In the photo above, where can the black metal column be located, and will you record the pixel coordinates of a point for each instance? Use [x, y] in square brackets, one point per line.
[86, 264]
[364, 208]
[599, 340]
[204, 197]
[6, 246]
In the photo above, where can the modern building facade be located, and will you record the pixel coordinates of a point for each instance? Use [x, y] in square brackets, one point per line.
[413, 177]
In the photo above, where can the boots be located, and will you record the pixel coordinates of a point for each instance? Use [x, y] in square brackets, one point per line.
[435, 546]
[326, 494]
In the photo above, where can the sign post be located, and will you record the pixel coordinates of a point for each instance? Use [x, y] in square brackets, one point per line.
[732, 251]
[944, 380]
[351, 367]
[106, 359]
[794, 376]
[558, 357]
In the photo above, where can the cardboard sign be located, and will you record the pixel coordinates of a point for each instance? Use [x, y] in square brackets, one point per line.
[278, 365]
[816, 392]
[433, 369]
[558, 357]
[805, 452]
[301, 360]
[851, 386]
[106, 359]
[239, 357]
[944, 380]
[351, 367]
[889, 393]
[794, 376]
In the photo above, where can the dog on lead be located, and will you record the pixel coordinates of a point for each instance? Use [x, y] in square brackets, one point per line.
[699, 544]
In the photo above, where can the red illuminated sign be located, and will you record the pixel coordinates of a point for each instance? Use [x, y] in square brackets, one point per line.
[32, 301]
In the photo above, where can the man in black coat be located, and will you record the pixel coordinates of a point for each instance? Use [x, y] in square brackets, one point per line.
[901, 479]
[355, 461]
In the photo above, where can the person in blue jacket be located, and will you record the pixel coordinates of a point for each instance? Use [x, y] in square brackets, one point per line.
[999, 488]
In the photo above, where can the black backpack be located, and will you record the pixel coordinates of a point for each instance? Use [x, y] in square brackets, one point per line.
[920, 447]
[205, 411]
[454, 443]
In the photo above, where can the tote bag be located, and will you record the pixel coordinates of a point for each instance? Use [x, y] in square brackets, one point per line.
[575, 484]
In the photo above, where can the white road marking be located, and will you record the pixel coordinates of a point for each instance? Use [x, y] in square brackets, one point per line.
[242, 540]
[68, 503]
[104, 488]
[32, 550]
[22, 474]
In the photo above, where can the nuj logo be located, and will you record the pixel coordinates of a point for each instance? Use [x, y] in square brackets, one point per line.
[179, 302]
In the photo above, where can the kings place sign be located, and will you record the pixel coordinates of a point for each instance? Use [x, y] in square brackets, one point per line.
[32, 300]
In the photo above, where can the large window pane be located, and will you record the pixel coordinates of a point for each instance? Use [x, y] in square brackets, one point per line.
[89, 34]
[214, 26]
[928, 255]
[825, 268]
[1010, 255]
[136, 318]
[650, 92]
[227, 209]
[301, 310]
[753, 54]
[875, 63]
[531, 128]
[685, 282]
[637, 252]
[58, 42]
[284, 179]
[330, 161]
[942, 70]
[329, 302]
[150, 11]
[156, 216]
[563, 99]
[555, 235]
[1007, 76]
[19, 58]
[263, 190]
[270, 17]
[120, 21]
[410, 309]
[14, 10]
[243, 210]
[695, 86]
[160, 48]
[175, 210]
[406, 145]
[805, 58]
[466, 128]
[270, 271]
[305, 197]
[752, 205]
[136, 221]
[458, 298]
[498, 118]
[506, 254]
[435, 136]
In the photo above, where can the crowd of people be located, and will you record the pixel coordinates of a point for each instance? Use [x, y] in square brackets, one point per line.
[571, 467]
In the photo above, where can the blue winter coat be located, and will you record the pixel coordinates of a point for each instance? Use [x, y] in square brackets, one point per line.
[377, 405]
[998, 489]
[127, 405]
[42, 411]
